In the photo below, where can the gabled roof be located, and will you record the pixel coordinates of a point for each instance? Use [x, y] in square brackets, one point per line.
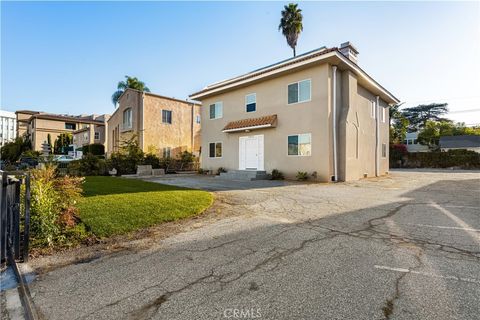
[321, 55]
[466, 141]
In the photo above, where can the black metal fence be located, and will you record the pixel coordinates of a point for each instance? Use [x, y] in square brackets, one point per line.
[14, 216]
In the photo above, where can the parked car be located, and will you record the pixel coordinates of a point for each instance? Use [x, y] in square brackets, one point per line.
[64, 158]
[27, 162]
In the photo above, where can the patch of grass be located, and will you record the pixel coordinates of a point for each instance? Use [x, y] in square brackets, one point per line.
[113, 206]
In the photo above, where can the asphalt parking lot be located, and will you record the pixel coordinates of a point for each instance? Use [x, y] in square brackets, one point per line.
[402, 247]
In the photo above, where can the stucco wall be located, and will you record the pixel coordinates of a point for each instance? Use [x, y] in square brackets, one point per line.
[356, 128]
[271, 97]
[181, 135]
[116, 132]
[153, 135]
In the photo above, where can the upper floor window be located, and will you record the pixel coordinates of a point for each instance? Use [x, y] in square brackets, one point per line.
[167, 116]
[97, 135]
[300, 145]
[127, 118]
[373, 107]
[216, 110]
[299, 91]
[70, 126]
[384, 116]
[251, 102]
[198, 118]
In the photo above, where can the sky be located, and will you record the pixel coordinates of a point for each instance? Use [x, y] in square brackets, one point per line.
[67, 57]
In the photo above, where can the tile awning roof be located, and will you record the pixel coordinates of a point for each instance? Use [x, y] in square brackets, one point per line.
[252, 123]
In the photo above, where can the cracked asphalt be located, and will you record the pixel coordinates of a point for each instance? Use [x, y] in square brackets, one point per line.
[402, 247]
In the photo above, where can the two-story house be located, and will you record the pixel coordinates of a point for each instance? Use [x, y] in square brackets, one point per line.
[93, 133]
[318, 112]
[162, 125]
[38, 125]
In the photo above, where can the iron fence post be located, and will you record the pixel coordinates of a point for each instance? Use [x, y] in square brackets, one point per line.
[26, 228]
[3, 216]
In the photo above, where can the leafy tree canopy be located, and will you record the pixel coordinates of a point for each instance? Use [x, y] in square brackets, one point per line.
[12, 151]
[433, 130]
[419, 115]
[398, 125]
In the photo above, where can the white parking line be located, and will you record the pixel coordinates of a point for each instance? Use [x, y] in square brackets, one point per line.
[464, 207]
[443, 227]
[428, 274]
[457, 220]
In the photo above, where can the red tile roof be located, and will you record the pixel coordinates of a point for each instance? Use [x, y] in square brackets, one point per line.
[270, 120]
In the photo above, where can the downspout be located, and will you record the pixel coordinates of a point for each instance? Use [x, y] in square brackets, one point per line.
[377, 137]
[334, 120]
[191, 129]
[142, 130]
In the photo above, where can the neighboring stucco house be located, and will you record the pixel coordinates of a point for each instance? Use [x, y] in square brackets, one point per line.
[93, 133]
[163, 126]
[460, 142]
[318, 112]
[411, 141]
[38, 125]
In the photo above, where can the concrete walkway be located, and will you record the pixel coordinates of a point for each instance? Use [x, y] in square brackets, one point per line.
[402, 247]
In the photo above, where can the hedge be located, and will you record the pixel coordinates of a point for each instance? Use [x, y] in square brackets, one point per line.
[96, 149]
[461, 158]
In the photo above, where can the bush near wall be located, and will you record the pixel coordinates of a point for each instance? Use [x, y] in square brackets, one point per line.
[461, 158]
[96, 149]
[89, 165]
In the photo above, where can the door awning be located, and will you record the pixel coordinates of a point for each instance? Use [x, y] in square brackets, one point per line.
[251, 124]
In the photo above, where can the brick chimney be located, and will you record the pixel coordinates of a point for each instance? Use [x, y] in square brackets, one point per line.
[349, 51]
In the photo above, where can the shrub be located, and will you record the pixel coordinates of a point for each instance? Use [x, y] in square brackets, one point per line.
[53, 208]
[302, 176]
[89, 165]
[277, 175]
[221, 169]
[186, 157]
[151, 159]
[96, 149]
[462, 158]
[126, 161]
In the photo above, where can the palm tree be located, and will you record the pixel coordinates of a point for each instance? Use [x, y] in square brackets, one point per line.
[130, 82]
[291, 24]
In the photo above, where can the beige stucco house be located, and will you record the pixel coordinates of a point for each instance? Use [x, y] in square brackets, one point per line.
[163, 126]
[38, 125]
[92, 133]
[318, 113]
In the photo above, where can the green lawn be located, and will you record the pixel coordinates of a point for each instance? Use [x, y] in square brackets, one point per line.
[114, 205]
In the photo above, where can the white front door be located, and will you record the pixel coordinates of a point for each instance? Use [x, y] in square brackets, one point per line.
[251, 153]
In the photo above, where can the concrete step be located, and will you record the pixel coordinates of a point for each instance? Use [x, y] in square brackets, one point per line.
[248, 175]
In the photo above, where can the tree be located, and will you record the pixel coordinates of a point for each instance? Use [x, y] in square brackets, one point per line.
[291, 24]
[130, 82]
[419, 115]
[11, 151]
[49, 142]
[63, 141]
[398, 125]
[433, 130]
